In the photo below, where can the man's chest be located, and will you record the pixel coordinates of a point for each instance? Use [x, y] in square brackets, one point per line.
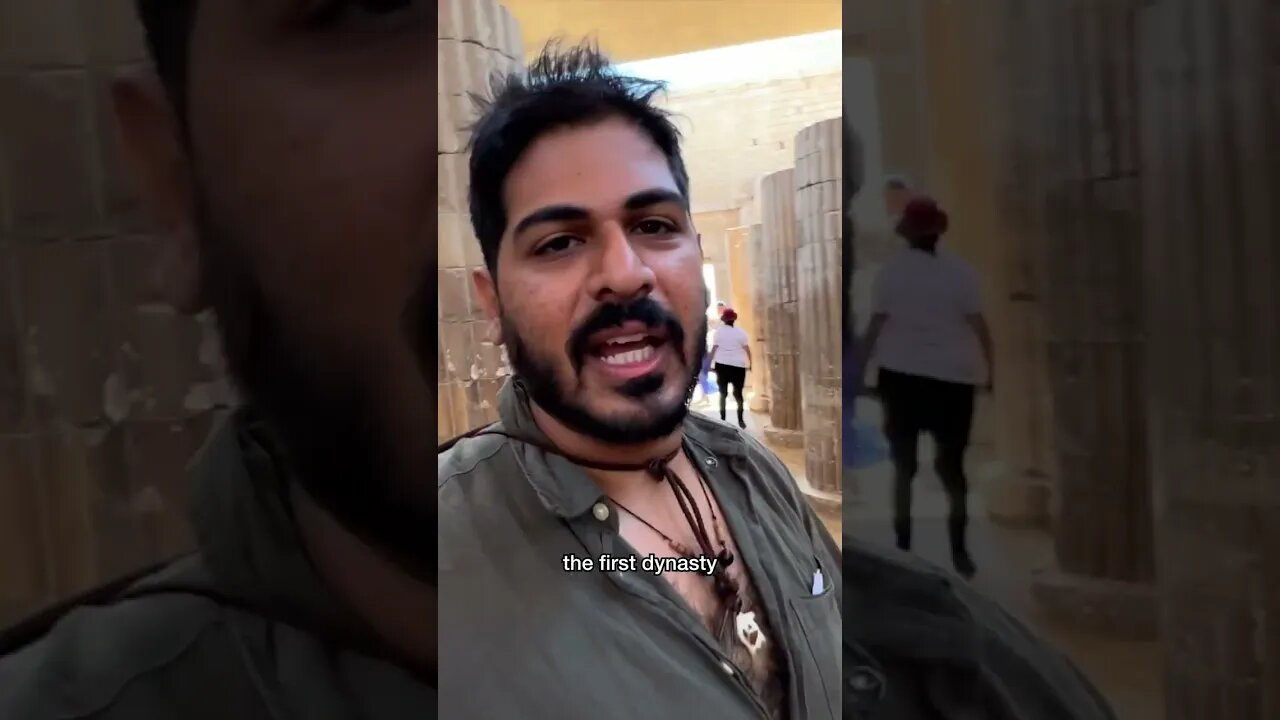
[723, 597]
[530, 627]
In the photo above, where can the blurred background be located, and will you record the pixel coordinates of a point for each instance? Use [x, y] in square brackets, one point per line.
[1110, 170]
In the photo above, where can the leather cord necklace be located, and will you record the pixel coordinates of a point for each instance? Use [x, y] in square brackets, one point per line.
[747, 629]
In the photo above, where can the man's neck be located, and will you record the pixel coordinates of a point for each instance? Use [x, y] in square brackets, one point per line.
[590, 449]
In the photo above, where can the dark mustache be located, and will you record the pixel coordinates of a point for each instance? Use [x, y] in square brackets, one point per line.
[611, 315]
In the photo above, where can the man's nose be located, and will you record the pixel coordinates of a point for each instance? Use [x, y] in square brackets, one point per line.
[621, 274]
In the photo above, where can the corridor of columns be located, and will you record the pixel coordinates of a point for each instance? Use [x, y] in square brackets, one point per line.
[1110, 171]
[765, 196]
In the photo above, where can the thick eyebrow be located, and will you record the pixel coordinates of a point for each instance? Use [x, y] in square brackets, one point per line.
[655, 196]
[551, 213]
[560, 213]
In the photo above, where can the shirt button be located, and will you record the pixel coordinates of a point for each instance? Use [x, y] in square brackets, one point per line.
[726, 667]
[601, 511]
[864, 681]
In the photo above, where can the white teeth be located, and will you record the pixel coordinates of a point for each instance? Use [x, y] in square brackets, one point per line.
[632, 356]
[626, 339]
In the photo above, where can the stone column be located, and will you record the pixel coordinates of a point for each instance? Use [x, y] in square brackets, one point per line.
[741, 299]
[761, 271]
[819, 162]
[1093, 303]
[1020, 95]
[1211, 176]
[476, 39]
[778, 199]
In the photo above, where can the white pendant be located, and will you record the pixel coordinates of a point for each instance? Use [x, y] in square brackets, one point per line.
[749, 632]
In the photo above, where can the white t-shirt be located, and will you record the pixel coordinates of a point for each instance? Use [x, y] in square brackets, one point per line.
[731, 346]
[928, 299]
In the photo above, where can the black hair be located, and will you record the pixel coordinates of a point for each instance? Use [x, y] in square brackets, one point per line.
[925, 243]
[167, 26]
[564, 87]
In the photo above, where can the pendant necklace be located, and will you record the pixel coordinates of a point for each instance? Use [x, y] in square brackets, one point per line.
[746, 629]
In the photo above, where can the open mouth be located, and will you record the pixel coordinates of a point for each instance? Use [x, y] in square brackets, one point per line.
[627, 352]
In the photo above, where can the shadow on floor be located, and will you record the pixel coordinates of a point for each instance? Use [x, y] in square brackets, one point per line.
[1129, 674]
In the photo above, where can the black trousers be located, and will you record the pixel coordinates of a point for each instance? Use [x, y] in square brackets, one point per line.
[913, 405]
[731, 377]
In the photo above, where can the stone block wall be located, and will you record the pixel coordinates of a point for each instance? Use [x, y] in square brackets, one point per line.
[104, 392]
[735, 134]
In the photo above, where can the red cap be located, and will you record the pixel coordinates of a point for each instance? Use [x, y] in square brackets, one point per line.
[922, 218]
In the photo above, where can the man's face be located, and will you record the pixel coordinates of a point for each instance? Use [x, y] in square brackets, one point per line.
[312, 156]
[895, 200]
[599, 283]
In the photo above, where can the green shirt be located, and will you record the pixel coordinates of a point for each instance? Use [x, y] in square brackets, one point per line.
[522, 638]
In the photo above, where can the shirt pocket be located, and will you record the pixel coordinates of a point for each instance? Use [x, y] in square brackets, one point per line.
[819, 655]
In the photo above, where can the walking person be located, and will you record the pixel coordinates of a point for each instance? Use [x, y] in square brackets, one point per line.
[731, 358]
[926, 330]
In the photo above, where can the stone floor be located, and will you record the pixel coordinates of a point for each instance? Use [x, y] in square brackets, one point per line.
[1128, 673]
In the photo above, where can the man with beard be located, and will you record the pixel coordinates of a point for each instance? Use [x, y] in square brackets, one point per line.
[288, 150]
[593, 282]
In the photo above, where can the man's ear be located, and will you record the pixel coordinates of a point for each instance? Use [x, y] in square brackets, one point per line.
[487, 295]
[150, 138]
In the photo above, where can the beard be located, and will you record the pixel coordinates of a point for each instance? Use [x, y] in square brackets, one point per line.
[326, 426]
[657, 419]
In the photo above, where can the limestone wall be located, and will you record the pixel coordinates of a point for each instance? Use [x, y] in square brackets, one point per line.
[104, 392]
[726, 152]
[476, 39]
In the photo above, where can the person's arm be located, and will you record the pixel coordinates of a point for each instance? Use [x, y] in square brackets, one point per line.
[979, 324]
[880, 314]
[868, 349]
[711, 359]
[747, 348]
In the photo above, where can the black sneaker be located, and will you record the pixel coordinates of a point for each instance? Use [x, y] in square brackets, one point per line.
[964, 565]
[742, 424]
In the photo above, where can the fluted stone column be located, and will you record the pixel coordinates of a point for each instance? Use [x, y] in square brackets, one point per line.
[742, 299]
[778, 199]
[819, 162]
[476, 39]
[1211, 167]
[760, 278]
[1093, 305]
[1020, 94]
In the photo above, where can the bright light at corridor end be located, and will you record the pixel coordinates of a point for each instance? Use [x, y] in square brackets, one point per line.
[790, 57]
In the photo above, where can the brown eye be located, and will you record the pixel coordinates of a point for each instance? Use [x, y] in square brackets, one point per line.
[654, 227]
[557, 245]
